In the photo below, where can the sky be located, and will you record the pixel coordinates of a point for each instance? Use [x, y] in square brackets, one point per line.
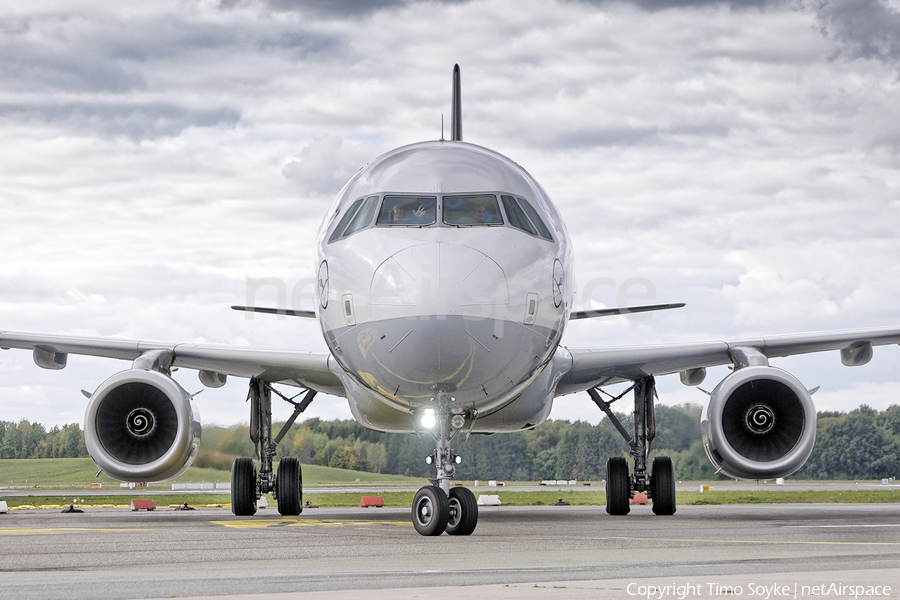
[161, 161]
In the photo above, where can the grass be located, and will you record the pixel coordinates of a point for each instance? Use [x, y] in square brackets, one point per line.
[75, 472]
[791, 497]
[80, 472]
[161, 501]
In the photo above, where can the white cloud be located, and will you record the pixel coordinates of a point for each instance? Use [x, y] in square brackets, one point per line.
[157, 157]
[880, 395]
[323, 167]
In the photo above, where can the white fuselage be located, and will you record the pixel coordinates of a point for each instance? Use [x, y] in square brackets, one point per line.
[445, 273]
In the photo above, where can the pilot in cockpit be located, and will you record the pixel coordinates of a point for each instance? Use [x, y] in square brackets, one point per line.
[482, 216]
[397, 215]
[406, 211]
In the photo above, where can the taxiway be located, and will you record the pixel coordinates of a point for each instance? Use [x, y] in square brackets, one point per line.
[115, 553]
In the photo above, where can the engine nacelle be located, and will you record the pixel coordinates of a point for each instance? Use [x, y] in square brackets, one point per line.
[760, 423]
[141, 426]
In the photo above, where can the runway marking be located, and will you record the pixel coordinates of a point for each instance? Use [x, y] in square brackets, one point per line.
[840, 526]
[30, 531]
[714, 541]
[289, 522]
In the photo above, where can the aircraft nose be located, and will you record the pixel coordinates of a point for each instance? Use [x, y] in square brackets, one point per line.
[438, 279]
[439, 322]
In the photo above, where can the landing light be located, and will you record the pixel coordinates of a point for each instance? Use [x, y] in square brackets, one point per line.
[458, 421]
[428, 419]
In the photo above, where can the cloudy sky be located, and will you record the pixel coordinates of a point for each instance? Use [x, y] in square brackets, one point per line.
[162, 161]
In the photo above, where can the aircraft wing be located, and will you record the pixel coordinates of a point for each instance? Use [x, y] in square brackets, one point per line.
[302, 368]
[594, 367]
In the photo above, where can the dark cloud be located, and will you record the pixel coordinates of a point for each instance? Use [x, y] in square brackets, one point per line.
[333, 8]
[31, 66]
[303, 45]
[134, 121]
[603, 137]
[655, 5]
[862, 28]
[89, 55]
[646, 136]
[336, 7]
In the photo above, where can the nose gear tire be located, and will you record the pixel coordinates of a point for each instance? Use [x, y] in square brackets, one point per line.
[430, 510]
[463, 512]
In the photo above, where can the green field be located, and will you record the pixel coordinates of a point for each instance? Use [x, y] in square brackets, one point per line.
[80, 472]
[75, 474]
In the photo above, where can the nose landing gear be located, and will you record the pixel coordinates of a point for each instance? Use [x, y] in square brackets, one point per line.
[438, 507]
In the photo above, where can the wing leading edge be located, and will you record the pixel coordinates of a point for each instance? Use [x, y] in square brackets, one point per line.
[593, 367]
[303, 368]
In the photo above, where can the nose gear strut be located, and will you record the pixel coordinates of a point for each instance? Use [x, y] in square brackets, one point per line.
[438, 507]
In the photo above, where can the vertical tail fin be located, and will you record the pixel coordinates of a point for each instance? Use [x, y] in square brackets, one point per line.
[456, 110]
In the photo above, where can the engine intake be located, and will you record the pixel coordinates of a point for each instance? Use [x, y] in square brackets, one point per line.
[760, 423]
[141, 426]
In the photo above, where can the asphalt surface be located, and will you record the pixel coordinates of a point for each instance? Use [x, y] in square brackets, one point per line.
[115, 553]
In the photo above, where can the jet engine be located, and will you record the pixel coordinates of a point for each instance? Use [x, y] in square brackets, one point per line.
[141, 426]
[760, 423]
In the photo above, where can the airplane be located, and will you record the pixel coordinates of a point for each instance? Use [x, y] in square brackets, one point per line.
[445, 281]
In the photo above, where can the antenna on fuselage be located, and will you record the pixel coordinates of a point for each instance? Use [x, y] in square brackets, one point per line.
[456, 110]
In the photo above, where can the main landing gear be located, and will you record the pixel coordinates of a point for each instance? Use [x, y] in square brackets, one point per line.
[438, 508]
[248, 485]
[659, 483]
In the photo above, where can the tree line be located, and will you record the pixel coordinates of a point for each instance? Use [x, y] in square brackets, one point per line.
[861, 444]
[33, 440]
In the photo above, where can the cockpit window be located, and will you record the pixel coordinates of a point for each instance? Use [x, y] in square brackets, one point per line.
[523, 216]
[456, 211]
[364, 217]
[516, 217]
[344, 220]
[409, 211]
[535, 219]
[472, 210]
